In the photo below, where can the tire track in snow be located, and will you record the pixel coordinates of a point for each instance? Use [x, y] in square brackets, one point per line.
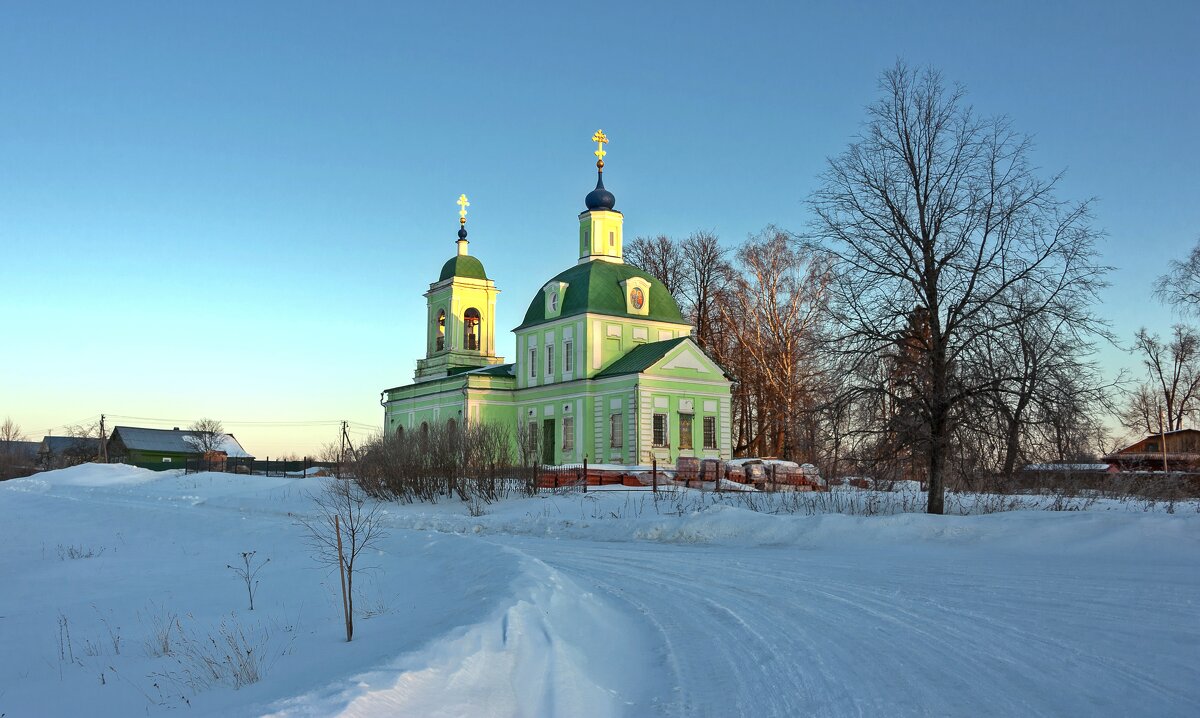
[893, 631]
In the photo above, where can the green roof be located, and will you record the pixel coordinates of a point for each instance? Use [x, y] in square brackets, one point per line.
[462, 265]
[641, 358]
[497, 370]
[596, 287]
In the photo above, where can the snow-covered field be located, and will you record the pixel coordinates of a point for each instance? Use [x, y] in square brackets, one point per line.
[117, 601]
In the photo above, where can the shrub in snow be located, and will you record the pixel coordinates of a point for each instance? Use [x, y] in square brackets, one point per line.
[233, 655]
[78, 552]
[249, 573]
[468, 461]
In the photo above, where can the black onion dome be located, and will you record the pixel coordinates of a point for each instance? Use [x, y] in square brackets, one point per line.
[600, 198]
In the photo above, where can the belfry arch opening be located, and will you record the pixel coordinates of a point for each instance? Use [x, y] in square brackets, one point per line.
[472, 327]
[441, 329]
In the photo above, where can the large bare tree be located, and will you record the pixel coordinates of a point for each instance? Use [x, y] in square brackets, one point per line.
[938, 210]
[1180, 286]
[1171, 392]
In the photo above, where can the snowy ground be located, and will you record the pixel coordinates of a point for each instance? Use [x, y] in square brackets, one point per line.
[601, 604]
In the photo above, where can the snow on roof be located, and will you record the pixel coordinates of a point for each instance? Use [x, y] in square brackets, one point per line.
[1066, 467]
[172, 441]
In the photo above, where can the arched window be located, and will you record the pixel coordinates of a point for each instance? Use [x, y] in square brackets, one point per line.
[399, 432]
[424, 428]
[441, 329]
[451, 426]
[471, 320]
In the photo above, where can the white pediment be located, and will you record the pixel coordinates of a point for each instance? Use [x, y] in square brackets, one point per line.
[690, 357]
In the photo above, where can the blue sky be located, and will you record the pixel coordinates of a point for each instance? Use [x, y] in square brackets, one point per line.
[232, 210]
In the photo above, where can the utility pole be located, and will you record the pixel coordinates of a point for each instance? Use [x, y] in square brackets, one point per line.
[102, 454]
[342, 451]
[346, 441]
[1162, 437]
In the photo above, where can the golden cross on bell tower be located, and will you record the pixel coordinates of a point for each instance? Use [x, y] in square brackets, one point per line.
[462, 208]
[600, 139]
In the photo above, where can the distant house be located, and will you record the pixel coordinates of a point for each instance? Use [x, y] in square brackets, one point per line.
[17, 458]
[169, 448]
[1181, 447]
[55, 452]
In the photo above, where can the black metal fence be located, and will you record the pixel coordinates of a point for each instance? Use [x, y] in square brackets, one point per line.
[262, 467]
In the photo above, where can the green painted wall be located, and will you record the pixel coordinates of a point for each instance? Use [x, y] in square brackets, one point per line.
[681, 382]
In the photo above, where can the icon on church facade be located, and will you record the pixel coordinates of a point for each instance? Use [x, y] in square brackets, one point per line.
[637, 297]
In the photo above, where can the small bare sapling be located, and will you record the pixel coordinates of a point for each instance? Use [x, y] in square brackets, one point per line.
[249, 573]
[344, 508]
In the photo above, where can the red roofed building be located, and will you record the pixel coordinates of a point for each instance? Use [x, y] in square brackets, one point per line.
[1180, 449]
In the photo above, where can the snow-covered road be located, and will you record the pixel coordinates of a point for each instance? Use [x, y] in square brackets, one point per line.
[604, 604]
[896, 630]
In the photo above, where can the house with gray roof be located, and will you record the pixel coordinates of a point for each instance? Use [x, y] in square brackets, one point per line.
[56, 452]
[169, 448]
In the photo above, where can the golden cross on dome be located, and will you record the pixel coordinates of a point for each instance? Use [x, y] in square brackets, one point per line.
[462, 211]
[600, 139]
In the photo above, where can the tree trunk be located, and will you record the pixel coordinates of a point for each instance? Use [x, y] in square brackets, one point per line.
[939, 418]
[937, 469]
[1012, 440]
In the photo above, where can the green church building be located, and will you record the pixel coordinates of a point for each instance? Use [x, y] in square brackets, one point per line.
[606, 368]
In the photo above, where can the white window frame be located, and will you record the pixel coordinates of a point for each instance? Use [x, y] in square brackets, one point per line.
[549, 360]
[568, 429]
[533, 365]
[568, 352]
[666, 432]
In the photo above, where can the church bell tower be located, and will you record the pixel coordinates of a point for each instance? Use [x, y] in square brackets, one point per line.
[461, 316]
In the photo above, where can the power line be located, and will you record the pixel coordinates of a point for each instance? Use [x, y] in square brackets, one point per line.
[75, 423]
[279, 423]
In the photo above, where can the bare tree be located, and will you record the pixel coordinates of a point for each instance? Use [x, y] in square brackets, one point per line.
[1180, 286]
[661, 257]
[207, 435]
[10, 432]
[13, 461]
[343, 506]
[773, 312]
[705, 284]
[1172, 390]
[84, 447]
[936, 208]
[1142, 411]
[1035, 377]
